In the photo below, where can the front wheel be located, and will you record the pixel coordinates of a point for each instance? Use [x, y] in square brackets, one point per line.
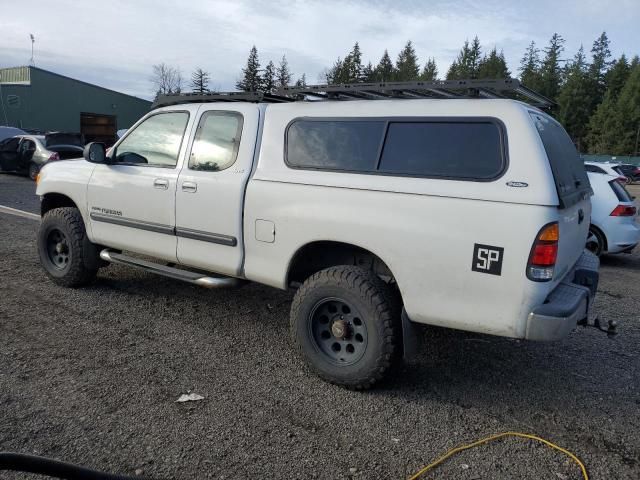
[346, 323]
[66, 254]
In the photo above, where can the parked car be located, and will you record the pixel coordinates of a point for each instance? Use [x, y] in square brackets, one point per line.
[6, 132]
[614, 227]
[382, 214]
[607, 169]
[632, 172]
[29, 153]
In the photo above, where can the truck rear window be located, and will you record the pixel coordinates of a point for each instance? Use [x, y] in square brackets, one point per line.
[569, 172]
[472, 149]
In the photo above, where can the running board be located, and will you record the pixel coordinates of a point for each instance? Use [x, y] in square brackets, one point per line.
[171, 272]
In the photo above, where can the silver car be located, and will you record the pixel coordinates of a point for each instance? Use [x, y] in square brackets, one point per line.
[28, 153]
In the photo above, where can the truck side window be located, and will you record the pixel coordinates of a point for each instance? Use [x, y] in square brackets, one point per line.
[453, 149]
[334, 144]
[155, 142]
[215, 146]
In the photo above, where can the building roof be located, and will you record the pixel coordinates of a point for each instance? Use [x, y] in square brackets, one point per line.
[22, 76]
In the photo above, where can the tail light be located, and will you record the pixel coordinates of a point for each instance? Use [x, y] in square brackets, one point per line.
[54, 156]
[544, 254]
[623, 211]
[636, 171]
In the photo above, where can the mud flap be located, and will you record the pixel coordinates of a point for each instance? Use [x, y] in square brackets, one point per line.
[411, 335]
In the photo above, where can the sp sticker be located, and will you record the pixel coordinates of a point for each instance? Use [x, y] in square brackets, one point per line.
[487, 259]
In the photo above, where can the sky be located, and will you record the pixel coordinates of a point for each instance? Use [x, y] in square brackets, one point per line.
[115, 43]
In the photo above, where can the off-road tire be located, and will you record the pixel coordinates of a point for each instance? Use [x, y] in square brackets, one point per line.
[83, 256]
[378, 304]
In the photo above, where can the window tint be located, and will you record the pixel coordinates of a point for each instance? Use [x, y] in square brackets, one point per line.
[621, 192]
[216, 143]
[594, 169]
[156, 141]
[340, 145]
[10, 144]
[443, 149]
[568, 170]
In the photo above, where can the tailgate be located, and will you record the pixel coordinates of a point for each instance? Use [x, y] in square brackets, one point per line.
[573, 188]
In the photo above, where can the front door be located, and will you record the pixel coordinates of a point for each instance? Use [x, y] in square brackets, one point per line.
[211, 186]
[131, 201]
[9, 155]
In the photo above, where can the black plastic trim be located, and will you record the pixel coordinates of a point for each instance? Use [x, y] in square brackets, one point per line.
[128, 222]
[207, 237]
[496, 121]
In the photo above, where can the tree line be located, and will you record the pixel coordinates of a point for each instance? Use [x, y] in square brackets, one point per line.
[597, 98]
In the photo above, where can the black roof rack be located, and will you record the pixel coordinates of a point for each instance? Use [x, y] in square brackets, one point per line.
[251, 97]
[485, 88]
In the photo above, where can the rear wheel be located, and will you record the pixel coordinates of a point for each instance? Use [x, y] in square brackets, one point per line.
[66, 254]
[345, 322]
[596, 241]
[34, 169]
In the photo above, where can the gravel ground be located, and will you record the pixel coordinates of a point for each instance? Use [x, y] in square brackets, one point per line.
[91, 376]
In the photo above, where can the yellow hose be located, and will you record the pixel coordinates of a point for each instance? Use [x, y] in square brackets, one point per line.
[497, 436]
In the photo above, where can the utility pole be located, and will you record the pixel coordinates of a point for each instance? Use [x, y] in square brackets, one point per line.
[33, 39]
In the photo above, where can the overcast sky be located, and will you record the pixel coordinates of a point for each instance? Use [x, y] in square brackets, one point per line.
[114, 43]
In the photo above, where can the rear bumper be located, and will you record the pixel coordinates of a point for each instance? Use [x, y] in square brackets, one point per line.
[567, 304]
[623, 237]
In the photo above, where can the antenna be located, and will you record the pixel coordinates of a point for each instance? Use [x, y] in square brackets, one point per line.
[33, 40]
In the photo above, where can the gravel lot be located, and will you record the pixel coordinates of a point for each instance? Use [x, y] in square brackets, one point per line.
[91, 376]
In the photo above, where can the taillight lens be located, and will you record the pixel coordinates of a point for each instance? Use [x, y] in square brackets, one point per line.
[623, 211]
[544, 254]
[54, 156]
[622, 180]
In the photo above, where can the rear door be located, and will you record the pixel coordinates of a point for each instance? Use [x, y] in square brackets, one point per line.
[573, 188]
[211, 186]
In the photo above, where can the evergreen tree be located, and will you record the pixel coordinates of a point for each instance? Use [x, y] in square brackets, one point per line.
[430, 71]
[493, 66]
[251, 81]
[627, 116]
[200, 81]
[385, 71]
[368, 73]
[530, 67]
[602, 124]
[335, 74]
[302, 81]
[353, 65]
[466, 64]
[407, 68]
[574, 99]
[550, 70]
[617, 75]
[283, 77]
[598, 69]
[269, 78]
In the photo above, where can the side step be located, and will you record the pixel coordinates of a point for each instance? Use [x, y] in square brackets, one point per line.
[171, 272]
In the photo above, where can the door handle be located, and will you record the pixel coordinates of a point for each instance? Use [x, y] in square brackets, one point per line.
[161, 183]
[189, 187]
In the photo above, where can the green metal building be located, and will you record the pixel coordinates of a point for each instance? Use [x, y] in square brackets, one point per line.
[39, 100]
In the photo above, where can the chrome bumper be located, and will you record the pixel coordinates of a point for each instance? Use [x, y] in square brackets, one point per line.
[568, 304]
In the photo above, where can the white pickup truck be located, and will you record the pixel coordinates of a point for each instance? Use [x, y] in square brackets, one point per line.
[464, 213]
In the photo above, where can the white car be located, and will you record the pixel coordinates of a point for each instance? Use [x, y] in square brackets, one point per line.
[382, 214]
[614, 226]
[607, 169]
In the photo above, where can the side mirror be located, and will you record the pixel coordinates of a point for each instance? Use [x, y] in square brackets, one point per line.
[95, 152]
